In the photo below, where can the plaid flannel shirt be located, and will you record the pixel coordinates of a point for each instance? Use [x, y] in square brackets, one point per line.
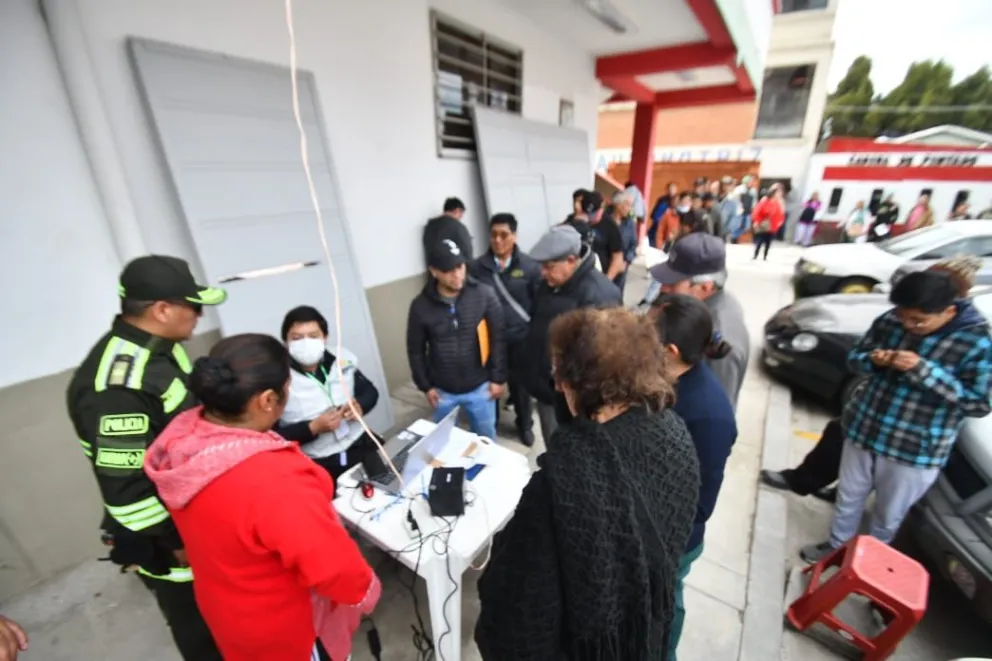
[914, 417]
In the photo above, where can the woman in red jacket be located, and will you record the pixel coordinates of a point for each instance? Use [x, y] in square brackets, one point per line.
[275, 570]
[767, 217]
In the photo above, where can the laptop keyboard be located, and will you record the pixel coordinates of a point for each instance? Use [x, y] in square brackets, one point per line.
[399, 461]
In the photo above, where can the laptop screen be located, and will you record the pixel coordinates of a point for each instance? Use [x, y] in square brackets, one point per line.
[430, 447]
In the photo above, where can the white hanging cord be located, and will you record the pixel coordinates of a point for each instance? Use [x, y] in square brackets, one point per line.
[304, 154]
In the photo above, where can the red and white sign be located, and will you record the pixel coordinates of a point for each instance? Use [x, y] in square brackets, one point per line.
[852, 169]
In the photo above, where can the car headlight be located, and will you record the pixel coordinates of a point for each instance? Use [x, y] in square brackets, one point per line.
[805, 342]
[812, 268]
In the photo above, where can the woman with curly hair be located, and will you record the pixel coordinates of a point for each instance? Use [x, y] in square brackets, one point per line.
[586, 568]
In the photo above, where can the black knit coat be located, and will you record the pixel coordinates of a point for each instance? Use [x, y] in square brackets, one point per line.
[585, 570]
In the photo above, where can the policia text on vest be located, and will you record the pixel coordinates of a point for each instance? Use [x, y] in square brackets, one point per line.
[127, 389]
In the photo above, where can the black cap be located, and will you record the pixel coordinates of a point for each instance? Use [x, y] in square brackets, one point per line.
[696, 254]
[445, 256]
[707, 197]
[164, 278]
[591, 202]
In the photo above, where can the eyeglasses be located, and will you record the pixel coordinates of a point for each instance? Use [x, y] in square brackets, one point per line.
[195, 307]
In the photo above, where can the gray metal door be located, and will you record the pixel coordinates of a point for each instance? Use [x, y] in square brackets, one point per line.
[226, 130]
[530, 169]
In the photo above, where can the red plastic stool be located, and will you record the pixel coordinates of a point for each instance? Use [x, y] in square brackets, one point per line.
[893, 582]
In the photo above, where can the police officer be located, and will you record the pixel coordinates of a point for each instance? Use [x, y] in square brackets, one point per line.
[132, 383]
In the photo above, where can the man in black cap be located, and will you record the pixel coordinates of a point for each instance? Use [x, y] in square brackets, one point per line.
[449, 225]
[570, 281]
[697, 266]
[455, 341]
[128, 388]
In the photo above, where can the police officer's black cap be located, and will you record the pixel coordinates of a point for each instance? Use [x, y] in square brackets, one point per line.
[164, 278]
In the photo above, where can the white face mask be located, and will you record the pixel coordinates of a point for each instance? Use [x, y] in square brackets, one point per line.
[682, 209]
[308, 350]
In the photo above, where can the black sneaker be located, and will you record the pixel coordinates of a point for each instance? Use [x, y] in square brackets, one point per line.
[526, 437]
[816, 552]
[775, 480]
[828, 494]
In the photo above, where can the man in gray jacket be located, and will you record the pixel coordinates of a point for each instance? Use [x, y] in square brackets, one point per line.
[697, 266]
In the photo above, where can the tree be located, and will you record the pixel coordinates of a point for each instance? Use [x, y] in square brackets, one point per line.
[975, 90]
[925, 98]
[855, 89]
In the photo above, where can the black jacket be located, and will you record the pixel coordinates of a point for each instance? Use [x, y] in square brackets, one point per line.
[128, 388]
[366, 394]
[521, 278]
[586, 568]
[586, 288]
[442, 340]
[445, 227]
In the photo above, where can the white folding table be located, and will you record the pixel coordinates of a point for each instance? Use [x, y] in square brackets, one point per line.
[493, 495]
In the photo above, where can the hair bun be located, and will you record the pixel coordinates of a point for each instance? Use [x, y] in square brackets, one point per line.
[717, 347]
[215, 374]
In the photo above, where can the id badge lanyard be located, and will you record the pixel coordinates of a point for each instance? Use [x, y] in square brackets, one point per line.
[328, 387]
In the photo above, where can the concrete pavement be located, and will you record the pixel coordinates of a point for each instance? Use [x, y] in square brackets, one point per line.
[93, 613]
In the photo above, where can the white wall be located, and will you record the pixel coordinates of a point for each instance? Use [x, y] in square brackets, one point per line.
[58, 264]
[372, 64]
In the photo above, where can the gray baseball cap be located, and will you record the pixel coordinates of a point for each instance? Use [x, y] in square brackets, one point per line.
[696, 254]
[558, 243]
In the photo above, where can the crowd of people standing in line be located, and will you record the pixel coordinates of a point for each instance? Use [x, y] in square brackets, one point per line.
[612, 388]
[873, 221]
[225, 441]
[196, 460]
[226, 467]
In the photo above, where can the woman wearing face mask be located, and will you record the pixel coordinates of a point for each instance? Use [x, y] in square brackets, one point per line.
[275, 569]
[686, 330]
[318, 415]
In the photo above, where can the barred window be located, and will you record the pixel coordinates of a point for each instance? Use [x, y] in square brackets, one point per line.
[470, 68]
[789, 6]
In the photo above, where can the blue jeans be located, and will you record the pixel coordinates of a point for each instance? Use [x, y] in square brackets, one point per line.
[678, 619]
[477, 405]
[739, 225]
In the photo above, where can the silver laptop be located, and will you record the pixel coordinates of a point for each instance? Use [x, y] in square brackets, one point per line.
[412, 453]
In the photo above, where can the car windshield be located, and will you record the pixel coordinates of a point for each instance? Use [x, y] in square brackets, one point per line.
[915, 241]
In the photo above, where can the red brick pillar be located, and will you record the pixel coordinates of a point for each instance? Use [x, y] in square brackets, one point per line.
[642, 153]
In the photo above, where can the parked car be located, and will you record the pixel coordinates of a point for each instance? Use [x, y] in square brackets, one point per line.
[983, 277]
[807, 343]
[855, 268]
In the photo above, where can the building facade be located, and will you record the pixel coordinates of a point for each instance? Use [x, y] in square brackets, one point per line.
[97, 94]
[779, 130]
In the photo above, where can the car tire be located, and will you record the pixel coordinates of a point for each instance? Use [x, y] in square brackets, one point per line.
[850, 389]
[855, 286]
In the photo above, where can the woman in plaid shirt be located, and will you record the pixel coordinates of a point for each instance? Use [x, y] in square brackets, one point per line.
[929, 362]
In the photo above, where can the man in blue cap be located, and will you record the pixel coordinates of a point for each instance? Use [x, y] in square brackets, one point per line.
[697, 266]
